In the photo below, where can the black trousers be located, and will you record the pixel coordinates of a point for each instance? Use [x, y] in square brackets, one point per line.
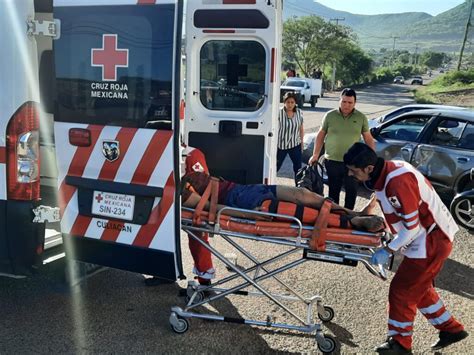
[295, 156]
[337, 177]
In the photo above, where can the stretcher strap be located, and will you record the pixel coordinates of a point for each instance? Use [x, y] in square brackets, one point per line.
[211, 191]
[318, 238]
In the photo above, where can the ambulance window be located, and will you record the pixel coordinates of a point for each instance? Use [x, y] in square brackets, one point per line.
[232, 75]
[111, 74]
[237, 18]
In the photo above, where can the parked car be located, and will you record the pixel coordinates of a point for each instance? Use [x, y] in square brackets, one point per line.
[417, 80]
[440, 144]
[399, 80]
[408, 108]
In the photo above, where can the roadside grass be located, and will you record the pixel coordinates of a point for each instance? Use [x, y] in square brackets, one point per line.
[451, 88]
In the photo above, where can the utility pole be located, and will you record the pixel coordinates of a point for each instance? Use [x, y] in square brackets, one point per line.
[393, 50]
[416, 55]
[333, 76]
[468, 23]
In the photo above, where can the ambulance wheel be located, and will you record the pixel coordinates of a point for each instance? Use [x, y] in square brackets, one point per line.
[328, 314]
[181, 326]
[328, 346]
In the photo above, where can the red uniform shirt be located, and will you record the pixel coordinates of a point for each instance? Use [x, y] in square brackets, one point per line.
[411, 207]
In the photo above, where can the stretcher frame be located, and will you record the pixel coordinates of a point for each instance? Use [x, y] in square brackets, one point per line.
[333, 251]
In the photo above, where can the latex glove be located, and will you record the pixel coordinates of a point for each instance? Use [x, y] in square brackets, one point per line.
[380, 257]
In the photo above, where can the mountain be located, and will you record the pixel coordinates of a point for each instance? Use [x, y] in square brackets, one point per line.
[443, 32]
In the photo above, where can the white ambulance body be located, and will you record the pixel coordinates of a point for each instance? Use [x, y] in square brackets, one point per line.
[232, 85]
[21, 241]
[115, 70]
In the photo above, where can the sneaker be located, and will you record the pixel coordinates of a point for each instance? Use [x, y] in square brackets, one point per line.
[391, 346]
[446, 338]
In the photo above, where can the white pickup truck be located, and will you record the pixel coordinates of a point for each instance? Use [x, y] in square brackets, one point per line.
[306, 89]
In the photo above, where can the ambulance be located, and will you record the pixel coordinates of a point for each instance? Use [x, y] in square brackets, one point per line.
[114, 92]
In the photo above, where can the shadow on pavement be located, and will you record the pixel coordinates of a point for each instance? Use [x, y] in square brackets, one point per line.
[456, 278]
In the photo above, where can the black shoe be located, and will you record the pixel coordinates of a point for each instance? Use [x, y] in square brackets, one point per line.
[391, 346]
[446, 338]
[156, 281]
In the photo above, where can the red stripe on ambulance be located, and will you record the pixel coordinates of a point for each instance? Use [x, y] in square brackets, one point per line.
[82, 154]
[78, 164]
[150, 158]
[80, 225]
[147, 232]
[111, 234]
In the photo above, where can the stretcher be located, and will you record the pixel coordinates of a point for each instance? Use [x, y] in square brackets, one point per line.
[312, 234]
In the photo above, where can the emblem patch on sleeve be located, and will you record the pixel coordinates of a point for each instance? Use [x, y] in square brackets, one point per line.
[394, 202]
[198, 167]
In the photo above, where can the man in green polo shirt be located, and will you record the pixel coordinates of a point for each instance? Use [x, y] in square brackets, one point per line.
[341, 128]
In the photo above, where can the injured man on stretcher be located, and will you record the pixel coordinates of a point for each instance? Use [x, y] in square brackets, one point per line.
[251, 197]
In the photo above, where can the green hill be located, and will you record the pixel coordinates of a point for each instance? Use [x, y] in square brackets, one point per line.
[443, 32]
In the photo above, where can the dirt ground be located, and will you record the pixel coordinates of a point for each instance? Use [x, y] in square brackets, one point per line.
[464, 98]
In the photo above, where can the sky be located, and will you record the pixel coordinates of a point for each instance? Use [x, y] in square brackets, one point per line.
[374, 7]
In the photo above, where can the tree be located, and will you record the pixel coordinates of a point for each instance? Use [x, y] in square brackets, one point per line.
[433, 59]
[310, 42]
[355, 65]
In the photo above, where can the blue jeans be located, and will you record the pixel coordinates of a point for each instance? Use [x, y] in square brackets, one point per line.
[295, 156]
[250, 196]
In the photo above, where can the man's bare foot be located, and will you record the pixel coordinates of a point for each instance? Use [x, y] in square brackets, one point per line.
[369, 209]
[370, 223]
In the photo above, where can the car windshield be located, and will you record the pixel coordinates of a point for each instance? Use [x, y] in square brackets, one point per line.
[296, 83]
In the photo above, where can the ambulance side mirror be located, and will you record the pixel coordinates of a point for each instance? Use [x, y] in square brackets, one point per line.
[47, 81]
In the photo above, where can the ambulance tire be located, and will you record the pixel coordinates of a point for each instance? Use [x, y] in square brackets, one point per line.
[314, 101]
[181, 327]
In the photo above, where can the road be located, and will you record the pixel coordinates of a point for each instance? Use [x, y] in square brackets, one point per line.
[113, 312]
[373, 102]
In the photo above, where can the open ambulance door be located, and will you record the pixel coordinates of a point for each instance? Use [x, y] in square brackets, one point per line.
[232, 85]
[116, 130]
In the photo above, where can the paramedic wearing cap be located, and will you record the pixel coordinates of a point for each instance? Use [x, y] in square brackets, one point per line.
[424, 231]
[203, 267]
[340, 129]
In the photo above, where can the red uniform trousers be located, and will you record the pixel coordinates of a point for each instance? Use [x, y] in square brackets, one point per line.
[412, 289]
[203, 268]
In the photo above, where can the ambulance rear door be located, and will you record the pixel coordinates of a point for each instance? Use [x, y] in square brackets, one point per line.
[232, 85]
[116, 130]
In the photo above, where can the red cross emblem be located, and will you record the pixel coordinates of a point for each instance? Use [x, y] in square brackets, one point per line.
[109, 57]
[99, 198]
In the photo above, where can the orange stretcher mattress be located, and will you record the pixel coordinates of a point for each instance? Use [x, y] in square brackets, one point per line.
[316, 235]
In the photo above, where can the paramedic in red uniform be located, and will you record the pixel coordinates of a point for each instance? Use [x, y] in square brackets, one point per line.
[203, 267]
[424, 231]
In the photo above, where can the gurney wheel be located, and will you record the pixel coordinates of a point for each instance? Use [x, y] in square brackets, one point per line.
[328, 314]
[198, 298]
[328, 346]
[180, 326]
